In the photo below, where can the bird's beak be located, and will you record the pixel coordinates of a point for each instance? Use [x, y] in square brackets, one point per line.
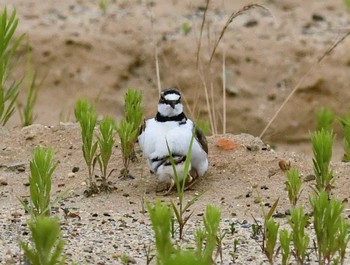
[172, 104]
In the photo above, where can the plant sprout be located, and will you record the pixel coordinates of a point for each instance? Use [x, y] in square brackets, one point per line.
[322, 142]
[85, 115]
[105, 142]
[9, 89]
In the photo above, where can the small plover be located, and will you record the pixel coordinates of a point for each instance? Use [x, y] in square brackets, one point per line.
[172, 127]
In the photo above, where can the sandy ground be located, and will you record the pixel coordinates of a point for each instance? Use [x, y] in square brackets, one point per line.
[85, 52]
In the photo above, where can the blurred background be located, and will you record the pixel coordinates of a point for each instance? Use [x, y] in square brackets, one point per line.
[98, 49]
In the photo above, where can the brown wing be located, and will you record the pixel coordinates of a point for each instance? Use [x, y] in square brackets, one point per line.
[201, 139]
[143, 127]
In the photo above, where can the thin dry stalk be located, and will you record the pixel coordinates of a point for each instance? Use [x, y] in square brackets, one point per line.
[311, 69]
[149, 7]
[228, 22]
[201, 32]
[201, 76]
[224, 91]
[157, 69]
[213, 106]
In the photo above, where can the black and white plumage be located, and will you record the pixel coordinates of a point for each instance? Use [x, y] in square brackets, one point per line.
[173, 127]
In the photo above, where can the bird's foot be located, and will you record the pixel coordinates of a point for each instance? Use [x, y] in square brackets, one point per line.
[168, 191]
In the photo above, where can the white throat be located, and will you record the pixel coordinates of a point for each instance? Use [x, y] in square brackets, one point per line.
[167, 111]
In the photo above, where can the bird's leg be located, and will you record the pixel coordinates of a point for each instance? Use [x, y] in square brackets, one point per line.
[171, 186]
[191, 179]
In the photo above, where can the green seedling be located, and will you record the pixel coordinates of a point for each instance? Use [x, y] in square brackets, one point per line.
[330, 227]
[181, 209]
[324, 118]
[345, 124]
[42, 167]
[103, 5]
[285, 240]
[347, 3]
[234, 254]
[256, 229]
[322, 142]
[211, 222]
[33, 87]
[161, 215]
[105, 142]
[9, 89]
[343, 239]
[85, 115]
[298, 221]
[186, 28]
[133, 115]
[47, 244]
[127, 134]
[167, 254]
[271, 239]
[293, 185]
[270, 232]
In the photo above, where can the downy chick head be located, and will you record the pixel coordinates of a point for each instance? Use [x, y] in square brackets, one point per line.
[169, 103]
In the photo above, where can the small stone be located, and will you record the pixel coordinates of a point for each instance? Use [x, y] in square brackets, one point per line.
[88, 249]
[71, 175]
[317, 17]
[257, 200]
[3, 182]
[75, 169]
[251, 23]
[309, 178]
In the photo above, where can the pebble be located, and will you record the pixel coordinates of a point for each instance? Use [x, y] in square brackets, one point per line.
[71, 175]
[3, 182]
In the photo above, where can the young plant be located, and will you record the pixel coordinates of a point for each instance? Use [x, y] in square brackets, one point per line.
[127, 134]
[324, 119]
[285, 240]
[41, 170]
[32, 91]
[105, 142]
[298, 221]
[293, 185]
[271, 239]
[270, 233]
[8, 89]
[103, 5]
[322, 142]
[182, 208]
[47, 244]
[161, 215]
[329, 225]
[133, 114]
[211, 222]
[345, 123]
[167, 254]
[347, 3]
[343, 239]
[85, 115]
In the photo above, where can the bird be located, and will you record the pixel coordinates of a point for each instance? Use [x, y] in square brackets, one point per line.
[171, 128]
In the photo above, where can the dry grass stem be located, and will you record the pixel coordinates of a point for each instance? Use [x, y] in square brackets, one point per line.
[311, 69]
[230, 19]
[224, 92]
[201, 32]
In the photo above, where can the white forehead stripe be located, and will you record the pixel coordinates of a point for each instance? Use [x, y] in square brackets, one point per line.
[172, 97]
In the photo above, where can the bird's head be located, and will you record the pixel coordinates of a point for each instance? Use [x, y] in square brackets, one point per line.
[170, 102]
